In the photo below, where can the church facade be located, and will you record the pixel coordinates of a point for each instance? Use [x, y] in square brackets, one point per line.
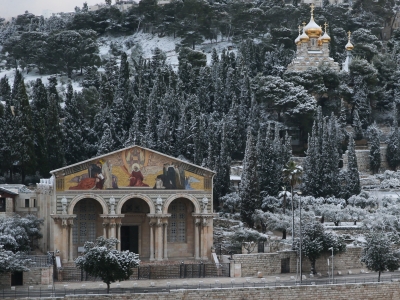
[155, 205]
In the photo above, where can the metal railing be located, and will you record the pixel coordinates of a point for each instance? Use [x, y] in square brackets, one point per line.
[200, 270]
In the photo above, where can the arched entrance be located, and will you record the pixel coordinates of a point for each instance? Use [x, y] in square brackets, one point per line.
[87, 224]
[181, 229]
[135, 229]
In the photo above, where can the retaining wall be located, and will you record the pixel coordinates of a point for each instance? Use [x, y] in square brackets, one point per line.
[372, 291]
[271, 263]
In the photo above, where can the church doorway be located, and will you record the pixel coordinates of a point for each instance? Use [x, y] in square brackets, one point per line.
[130, 238]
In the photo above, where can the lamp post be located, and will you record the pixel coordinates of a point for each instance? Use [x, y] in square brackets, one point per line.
[331, 248]
[301, 239]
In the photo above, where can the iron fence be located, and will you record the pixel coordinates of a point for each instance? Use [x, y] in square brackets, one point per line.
[200, 270]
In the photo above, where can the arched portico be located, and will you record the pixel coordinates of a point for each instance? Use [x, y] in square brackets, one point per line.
[125, 198]
[192, 199]
[75, 200]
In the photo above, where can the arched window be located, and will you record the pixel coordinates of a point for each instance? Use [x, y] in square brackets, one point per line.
[177, 222]
[85, 223]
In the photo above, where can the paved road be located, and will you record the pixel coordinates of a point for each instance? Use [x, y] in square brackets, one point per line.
[165, 285]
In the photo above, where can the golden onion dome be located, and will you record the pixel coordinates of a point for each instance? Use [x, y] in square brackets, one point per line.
[304, 38]
[297, 40]
[312, 29]
[325, 38]
[349, 46]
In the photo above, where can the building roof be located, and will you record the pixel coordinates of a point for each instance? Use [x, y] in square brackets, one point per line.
[4, 190]
[121, 150]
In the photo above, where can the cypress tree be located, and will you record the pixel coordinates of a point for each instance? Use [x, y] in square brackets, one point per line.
[24, 147]
[249, 191]
[393, 143]
[321, 167]
[358, 131]
[73, 142]
[375, 149]
[55, 149]
[222, 168]
[106, 142]
[353, 186]
[39, 110]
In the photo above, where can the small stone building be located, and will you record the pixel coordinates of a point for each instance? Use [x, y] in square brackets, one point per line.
[157, 206]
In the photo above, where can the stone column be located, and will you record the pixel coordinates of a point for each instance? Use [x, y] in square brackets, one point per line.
[165, 241]
[105, 230]
[64, 226]
[119, 236]
[196, 239]
[204, 235]
[71, 247]
[151, 240]
[112, 230]
[159, 243]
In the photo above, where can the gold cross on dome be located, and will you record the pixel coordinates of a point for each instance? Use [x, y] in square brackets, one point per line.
[326, 25]
[349, 34]
[299, 29]
[312, 8]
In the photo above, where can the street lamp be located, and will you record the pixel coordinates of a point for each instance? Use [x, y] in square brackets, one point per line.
[301, 239]
[331, 248]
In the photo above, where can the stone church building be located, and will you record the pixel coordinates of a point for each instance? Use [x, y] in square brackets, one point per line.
[157, 206]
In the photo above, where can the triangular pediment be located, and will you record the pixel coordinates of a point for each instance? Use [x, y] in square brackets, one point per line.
[133, 168]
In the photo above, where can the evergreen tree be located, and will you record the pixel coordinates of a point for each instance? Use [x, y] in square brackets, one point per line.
[39, 110]
[24, 147]
[321, 167]
[353, 186]
[54, 134]
[106, 142]
[375, 149]
[393, 143]
[73, 142]
[222, 168]
[249, 191]
[358, 131]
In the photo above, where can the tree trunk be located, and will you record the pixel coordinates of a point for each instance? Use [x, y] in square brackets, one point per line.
[284, 203]
[284, 234]
[313, 271]
[108, 287]
[379, 276]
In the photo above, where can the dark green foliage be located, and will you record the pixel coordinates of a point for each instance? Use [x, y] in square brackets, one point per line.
[321, 168]
[352, 185]
[249, 191]
[378, 255]
[393, 143]
[316, 242]
[375, 149]
[102, 260]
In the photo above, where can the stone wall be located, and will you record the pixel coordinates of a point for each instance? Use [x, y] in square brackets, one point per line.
[271, 263]
[363, 160]
[5, 280]
[38, 276]
[375, 291]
